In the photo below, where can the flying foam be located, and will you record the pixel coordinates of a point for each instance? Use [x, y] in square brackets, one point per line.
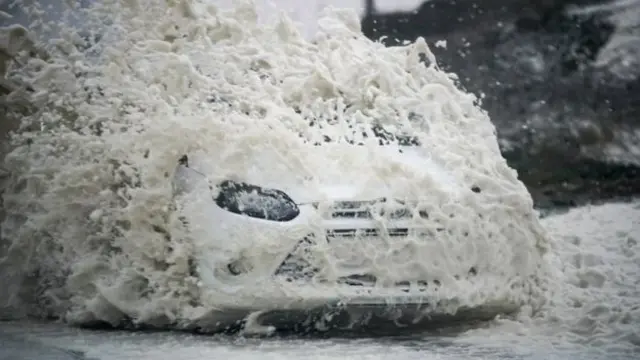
[91, 231]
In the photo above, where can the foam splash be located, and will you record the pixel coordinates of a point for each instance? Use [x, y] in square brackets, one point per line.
[90, 211]
[594, 303]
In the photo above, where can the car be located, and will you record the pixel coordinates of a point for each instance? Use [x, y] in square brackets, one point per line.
[392, 206]
[309, 248]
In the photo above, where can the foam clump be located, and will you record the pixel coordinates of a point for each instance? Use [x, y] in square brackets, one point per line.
[90, 214]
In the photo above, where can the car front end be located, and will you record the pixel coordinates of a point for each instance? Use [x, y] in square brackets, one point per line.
[322, 256]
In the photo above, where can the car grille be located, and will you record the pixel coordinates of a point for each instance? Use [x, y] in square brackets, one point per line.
[338, 227]
[347, 220]
[360, 211]
[369, 210]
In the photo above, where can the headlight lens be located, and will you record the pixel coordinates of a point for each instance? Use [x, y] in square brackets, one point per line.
[255, 201]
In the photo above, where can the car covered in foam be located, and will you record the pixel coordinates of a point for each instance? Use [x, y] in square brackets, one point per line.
[323, 252]
[318, 184]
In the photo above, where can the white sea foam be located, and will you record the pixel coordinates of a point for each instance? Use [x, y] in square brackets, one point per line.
[595, 301]
[90, 215]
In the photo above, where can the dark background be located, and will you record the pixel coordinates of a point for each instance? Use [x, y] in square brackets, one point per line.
[556, 108]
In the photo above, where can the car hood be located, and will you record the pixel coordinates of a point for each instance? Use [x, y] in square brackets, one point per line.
[334, 172]
[386, 171]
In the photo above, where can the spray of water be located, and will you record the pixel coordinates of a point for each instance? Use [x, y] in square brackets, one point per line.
[92, 230]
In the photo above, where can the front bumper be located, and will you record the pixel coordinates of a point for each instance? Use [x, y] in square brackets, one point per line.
[371, 315]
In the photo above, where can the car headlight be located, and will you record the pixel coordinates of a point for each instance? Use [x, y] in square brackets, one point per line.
[255, 201]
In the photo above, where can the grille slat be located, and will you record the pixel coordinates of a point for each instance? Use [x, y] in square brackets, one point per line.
[365, 214]
[353, 233]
